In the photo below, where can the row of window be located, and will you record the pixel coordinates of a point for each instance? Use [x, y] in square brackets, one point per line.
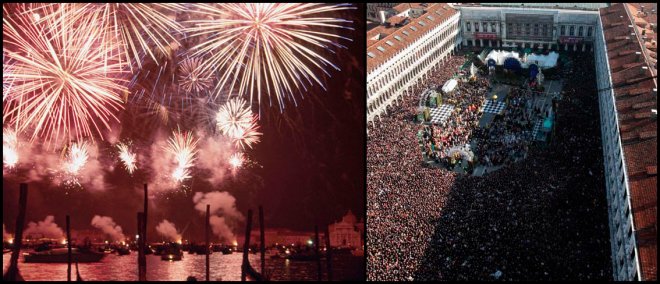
[528, 29]
[478, 25]
[571, 31]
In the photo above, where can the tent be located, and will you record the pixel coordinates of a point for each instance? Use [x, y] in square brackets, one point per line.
[449, 86]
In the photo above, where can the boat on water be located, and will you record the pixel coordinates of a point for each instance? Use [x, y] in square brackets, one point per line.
[227, 250]
[123, 251]
[59, 255]
[171, 252]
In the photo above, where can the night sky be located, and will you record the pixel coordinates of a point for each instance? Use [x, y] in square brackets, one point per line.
[310, 166]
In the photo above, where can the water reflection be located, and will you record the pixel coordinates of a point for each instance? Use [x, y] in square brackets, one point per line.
[223, 268]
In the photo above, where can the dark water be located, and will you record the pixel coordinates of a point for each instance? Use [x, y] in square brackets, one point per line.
[223, 267]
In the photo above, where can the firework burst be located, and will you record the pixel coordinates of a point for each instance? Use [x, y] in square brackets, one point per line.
[63, 84]
[127, 157]
[137, 29]
[236, 160]
[76, 158]
[182, 146]
[191, 77]
[248, 136]
[9, 148]
[267, 48]
[233, 117]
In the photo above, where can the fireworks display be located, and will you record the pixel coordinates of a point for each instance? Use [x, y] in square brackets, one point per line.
[9, 148]
[73, 71]
[269, 49]
[182, 146]
[127, 157]
[62, 84]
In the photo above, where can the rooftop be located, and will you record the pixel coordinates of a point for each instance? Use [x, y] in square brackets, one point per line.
[635, 97]
[383, 42]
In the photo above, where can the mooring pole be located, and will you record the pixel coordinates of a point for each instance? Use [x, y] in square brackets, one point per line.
[208, 249]
[263, 240]
[246, 246]
[68, 245]
[328, 253]
[12, 272]
[316, 250]
[142, 275]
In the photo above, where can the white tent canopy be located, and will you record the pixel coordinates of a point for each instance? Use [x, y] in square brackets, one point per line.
[542, 61]
[449, 86]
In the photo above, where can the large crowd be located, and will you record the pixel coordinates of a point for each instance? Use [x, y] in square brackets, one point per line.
[543, 218]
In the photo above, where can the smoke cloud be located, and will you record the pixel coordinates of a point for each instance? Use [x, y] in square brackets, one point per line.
[48, 164]
[217, 151]
[223, 204]
[168, 230]
[109, 227]
[221, 229]
[46, 228]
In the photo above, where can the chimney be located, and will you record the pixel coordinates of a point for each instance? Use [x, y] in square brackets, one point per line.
[382, 16]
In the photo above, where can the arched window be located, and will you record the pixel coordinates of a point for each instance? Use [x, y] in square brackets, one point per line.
[589, 31]
[572, 31]
[469, 29]
[492, 27]
[536, 29]
[476, 26]
[581, 31]
[563, 30]
[527, 29]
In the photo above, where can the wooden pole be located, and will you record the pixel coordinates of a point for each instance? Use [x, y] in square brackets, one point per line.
[68, 245]
[208, 250]
[12, 272]
[246, 246]
[328, 253]
[316, 251]
[142, 275]
[144, 232]
[262, 240]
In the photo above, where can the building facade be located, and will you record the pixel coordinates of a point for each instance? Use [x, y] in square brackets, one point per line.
[538, 28]
[401, 59]
[629, 139]
[347, 233]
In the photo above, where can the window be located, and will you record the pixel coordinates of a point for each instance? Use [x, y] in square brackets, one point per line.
[406, 33]
[493, 27]
[389, 43]
[536, 29]
[429, 17]
[476, 26]
[371, 54]
[563, 30]
[509, 28]
[581, 31]
[527, 29]
[572, 31]
[421, 23]
[397, 37]
[468, 27]
[589, 30]
[413, 28]
[381, 48]
[545, 30]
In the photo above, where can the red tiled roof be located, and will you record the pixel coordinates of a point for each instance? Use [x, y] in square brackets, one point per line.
[438, 12]
[634, 100]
